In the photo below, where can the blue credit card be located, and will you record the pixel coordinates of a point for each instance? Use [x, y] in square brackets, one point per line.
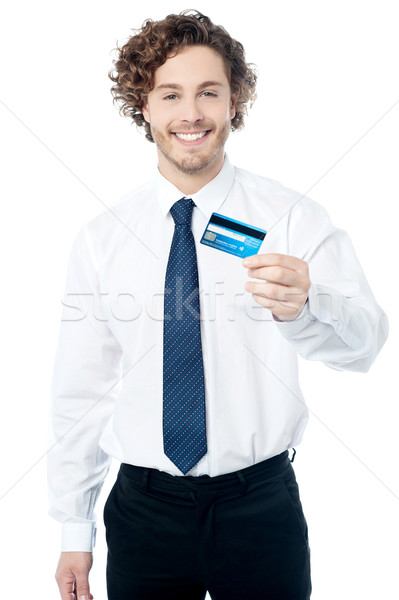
[232, 236]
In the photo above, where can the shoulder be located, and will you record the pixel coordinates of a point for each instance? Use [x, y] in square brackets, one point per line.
[261, 183]
[121, 214]
[115, 223]
[282, 200]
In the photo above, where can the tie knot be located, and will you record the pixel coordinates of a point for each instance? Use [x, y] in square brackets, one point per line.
[182, 210]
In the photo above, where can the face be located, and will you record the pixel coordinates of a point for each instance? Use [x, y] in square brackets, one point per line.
[189, 110]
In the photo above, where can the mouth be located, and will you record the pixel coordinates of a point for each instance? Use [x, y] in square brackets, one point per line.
[192, 138]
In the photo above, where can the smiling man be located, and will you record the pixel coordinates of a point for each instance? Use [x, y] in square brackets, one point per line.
[196, 395]
[190, 111]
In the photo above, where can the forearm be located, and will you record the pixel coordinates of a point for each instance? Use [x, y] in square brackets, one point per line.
[344, 333]
[73, 493]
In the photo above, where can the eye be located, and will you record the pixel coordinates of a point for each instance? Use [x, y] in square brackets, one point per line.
[208, 94]
[170, 97]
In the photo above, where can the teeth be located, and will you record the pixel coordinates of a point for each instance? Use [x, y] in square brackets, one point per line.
[191, 137]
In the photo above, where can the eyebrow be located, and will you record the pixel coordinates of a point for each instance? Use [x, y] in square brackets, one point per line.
[176, 86]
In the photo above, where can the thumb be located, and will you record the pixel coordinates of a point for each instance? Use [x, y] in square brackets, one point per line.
[82, 589]
[84, 596]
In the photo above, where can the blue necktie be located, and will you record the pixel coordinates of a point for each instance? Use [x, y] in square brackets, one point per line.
[184, 425]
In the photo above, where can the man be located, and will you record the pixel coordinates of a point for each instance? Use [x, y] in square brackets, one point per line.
[171, 360]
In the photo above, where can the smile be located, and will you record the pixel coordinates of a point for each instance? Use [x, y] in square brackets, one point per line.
[191, 137]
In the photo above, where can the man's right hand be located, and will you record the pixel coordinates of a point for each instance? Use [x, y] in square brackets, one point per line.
[72, 575]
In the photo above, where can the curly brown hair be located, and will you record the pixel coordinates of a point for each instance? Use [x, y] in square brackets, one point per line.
[149, 48]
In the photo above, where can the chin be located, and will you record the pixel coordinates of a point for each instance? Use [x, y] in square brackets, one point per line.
[194, 164]
[191, 161]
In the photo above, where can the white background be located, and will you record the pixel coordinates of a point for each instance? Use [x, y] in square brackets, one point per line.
[325, 122]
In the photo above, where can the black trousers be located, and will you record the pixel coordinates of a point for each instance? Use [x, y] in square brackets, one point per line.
[240, 536]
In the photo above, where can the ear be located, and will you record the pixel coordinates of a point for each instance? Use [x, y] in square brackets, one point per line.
[233, 106]
[145, 110]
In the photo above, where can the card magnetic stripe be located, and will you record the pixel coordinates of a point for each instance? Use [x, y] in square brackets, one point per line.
[237, 226]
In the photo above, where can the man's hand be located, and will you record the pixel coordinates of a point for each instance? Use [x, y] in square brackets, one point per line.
[285, 286]
[72, 575]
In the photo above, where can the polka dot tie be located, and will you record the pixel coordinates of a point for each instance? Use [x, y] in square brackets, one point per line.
[184, 425]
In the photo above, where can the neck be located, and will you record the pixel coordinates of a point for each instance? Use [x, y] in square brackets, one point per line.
[190, 183]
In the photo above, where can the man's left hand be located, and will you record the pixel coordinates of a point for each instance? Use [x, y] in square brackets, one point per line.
[285, 286]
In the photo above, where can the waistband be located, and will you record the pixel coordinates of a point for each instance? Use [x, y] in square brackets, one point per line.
[259, 472]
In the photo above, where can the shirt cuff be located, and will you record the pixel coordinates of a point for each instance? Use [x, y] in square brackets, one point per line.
[78, 537]
[297, 324]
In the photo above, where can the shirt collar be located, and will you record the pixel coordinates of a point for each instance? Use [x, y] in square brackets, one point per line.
[208, 199]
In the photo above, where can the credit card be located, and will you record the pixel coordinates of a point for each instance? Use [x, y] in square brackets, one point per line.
[232, 236]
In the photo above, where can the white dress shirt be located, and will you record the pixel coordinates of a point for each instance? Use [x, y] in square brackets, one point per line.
[107, 382]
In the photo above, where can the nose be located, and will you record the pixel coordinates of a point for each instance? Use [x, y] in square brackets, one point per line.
[191, 111]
